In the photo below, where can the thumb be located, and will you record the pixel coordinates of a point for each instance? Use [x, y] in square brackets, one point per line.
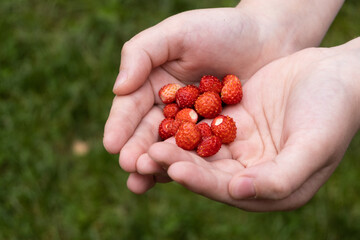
[280, 177]
[144, 52]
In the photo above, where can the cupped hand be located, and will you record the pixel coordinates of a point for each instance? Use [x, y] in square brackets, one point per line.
[180, 50]
[295, 122]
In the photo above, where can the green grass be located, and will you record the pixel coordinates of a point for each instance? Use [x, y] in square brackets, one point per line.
[58, 62]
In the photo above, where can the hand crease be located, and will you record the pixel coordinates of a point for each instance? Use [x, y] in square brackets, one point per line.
[270, 133]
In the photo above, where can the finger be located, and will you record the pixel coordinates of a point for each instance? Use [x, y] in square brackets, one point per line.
[209, 179]
[208, 182]
[125, 114]
[145, 165]
[139, 184]
[163, 153]
[213, 184]
[278, 178]
[143, 137]
[167, 153]
[297, 199]
[144, 52]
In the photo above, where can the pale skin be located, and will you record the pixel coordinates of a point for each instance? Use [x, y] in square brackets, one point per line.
[282, 153]
[292, 133]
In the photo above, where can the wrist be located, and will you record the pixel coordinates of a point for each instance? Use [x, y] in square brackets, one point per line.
[354, 49]
[348, 62]
[297, 24]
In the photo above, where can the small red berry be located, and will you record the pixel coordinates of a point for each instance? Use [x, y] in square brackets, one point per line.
[205, 130]
[171, 110]
[208, 105]
[228, 78]
[186, 96]
[209, 146]
[188, 136]
[166, 128]
[225, 128]
[176, 125]
[210, 83]
[168, 92]
[188, 115]
[231, 93]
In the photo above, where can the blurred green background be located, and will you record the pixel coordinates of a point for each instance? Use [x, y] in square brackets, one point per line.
[58, 62]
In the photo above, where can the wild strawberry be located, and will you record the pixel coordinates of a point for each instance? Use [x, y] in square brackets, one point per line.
[170, 110]
[209, 146]
[208, 105]
[210, 83]
[225, 128]
[205, 130]
[166, 128]
[228, 78]
[186, 96]
[188, 136]
[167, 93]
[188, 115]
[176, 125]
[231, 93]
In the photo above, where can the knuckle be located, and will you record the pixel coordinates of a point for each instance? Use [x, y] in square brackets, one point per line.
[279, 187]
[124, 48]
[126, 163]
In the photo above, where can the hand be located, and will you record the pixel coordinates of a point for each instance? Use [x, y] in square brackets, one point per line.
[295, 122]
[181, 49]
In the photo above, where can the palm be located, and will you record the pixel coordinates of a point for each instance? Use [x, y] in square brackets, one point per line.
[284, 120]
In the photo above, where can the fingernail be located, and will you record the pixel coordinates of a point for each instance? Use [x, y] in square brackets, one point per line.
[244, 188]
[121, 77]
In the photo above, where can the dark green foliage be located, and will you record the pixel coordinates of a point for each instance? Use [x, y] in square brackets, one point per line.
[58, 62]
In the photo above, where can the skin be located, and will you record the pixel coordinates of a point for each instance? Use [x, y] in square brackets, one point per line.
[289, 139]
[183, 48]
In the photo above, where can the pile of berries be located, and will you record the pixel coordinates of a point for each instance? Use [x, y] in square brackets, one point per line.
[185, 106]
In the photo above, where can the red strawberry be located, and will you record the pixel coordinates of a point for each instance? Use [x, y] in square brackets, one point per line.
[188, 136]
[210, 83]
[171, 110]
[225, 128]
[176, 125]
[209, 146]
[208, 105]
[186, 96]
[167, 93]
[167, 128]
[231, 93]
[205, 130]
[188, 115]
[228, 78]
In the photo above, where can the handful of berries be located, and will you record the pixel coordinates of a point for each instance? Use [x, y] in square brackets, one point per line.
[186, 104]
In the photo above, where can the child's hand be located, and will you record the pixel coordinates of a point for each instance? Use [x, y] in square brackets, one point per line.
[295, 122]
[181, 49]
